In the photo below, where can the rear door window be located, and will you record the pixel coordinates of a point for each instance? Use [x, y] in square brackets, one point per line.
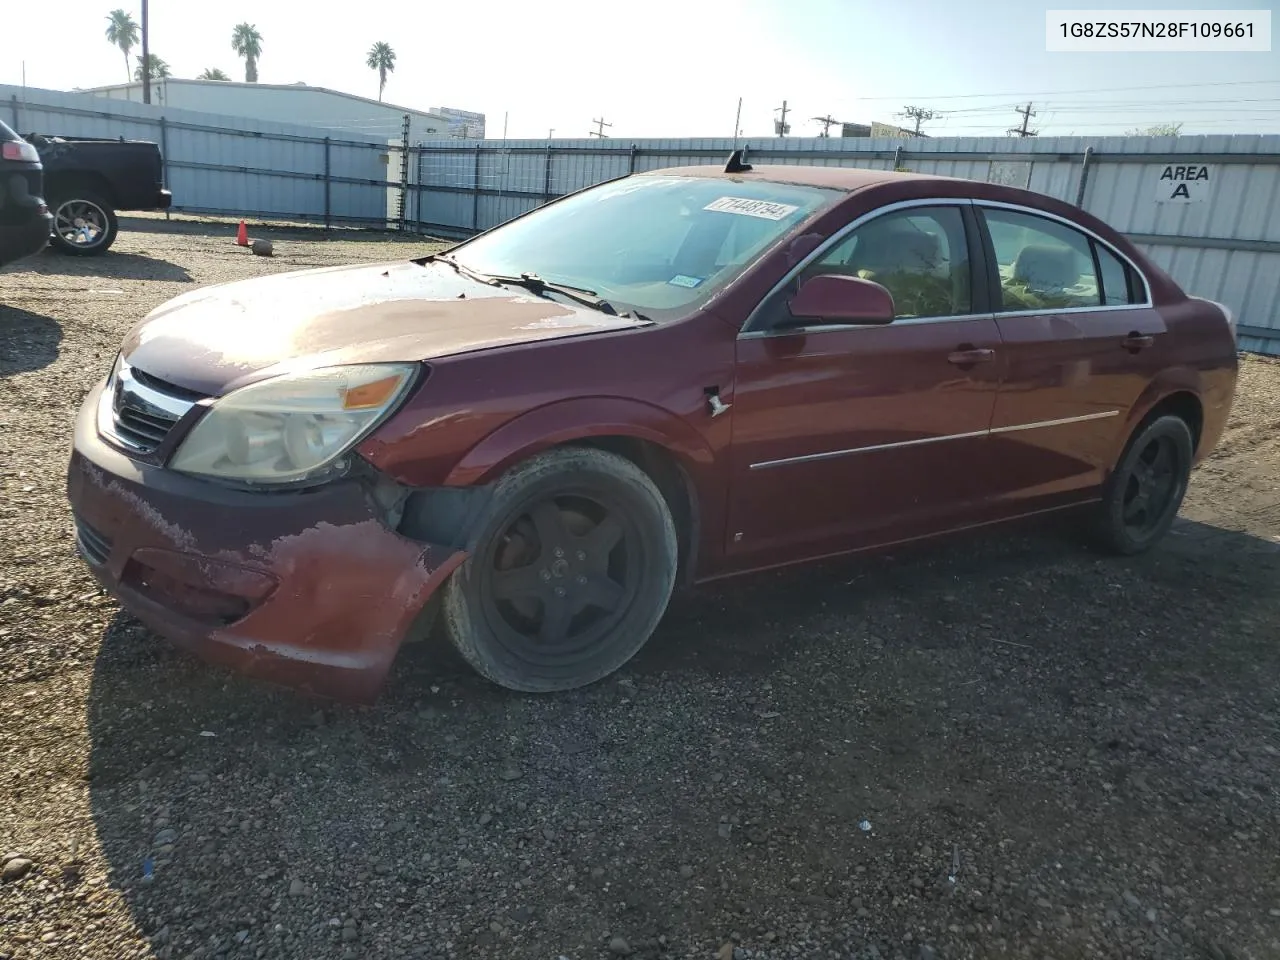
[1043, 264]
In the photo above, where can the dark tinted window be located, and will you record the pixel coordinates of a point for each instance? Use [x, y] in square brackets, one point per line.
[1118, 286]
[919, 255]
[1043, 264]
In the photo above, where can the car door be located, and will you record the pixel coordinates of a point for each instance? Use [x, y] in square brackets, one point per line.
[845, 436]
[1081, 342]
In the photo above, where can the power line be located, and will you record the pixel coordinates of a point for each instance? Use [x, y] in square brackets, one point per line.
[1055, 93]
[1132, 123]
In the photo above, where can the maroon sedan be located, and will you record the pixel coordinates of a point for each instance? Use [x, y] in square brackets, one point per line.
[667, 378]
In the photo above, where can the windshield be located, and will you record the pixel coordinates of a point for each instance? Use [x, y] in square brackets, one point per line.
[649, 242]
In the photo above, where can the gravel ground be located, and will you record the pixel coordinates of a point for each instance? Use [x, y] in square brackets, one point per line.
[1001, 747]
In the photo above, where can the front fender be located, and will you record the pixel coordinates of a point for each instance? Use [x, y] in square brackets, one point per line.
[580, 419]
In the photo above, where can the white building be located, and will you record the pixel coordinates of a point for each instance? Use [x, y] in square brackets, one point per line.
[295, 103]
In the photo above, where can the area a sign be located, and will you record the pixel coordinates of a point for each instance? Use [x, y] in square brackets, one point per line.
[1184, 183]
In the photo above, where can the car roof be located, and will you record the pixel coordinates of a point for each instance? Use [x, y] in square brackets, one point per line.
[847, 179]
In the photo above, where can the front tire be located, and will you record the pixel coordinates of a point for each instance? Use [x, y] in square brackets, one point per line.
[84, 225]
[1144, 492]
[570, 570]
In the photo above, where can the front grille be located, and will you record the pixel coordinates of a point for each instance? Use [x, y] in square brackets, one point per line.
[145, 408]
[143, 430]
[95, 547]
[164, 386]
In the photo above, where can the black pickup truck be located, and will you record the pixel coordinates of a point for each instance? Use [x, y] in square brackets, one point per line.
[87, 180]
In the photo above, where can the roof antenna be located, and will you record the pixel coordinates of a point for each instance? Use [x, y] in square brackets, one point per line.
[737, 162]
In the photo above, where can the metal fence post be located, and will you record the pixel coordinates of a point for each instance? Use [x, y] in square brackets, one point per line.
[897, 157]
[631, 165]
[1084, 176]
[17, 123]
[475, 196]
[328, 211]
[403, 211]
[546, 177]
[164, 157]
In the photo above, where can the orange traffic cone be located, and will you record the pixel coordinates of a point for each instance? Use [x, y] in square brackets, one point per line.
[242, 235]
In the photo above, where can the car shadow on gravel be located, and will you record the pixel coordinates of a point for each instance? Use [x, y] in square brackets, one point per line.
[28, 341]
[114, 264]
[967, 742]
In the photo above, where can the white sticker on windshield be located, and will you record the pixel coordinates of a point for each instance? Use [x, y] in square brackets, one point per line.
[764, 209]
[680, 280]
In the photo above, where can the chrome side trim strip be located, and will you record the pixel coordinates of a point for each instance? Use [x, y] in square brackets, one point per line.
[847, 327]
[832, 454]
[810, 457]
[1055, 423]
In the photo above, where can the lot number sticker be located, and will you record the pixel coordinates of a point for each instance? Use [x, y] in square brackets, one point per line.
[1183, 184]
[764, 209]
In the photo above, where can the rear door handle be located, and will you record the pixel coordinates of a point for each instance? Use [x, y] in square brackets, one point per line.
[968, 356]
[1137, 341]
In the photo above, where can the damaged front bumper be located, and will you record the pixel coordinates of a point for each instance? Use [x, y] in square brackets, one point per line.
[309, 589]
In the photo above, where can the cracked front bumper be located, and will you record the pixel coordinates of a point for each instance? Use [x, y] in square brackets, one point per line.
[308, 589]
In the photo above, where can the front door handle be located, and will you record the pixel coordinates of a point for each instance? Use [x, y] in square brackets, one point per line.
[968, 356]
[1137, 341]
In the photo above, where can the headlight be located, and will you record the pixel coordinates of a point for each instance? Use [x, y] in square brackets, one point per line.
[293, 427]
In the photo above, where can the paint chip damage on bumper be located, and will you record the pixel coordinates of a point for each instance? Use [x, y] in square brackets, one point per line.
[308, 589]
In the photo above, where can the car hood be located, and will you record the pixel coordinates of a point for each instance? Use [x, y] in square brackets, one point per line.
[222, 337]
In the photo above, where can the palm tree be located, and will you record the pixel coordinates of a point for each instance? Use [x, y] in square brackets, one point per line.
[122, 31]
[157, 68]
[212, 73]
[246, 41]
[383, 59]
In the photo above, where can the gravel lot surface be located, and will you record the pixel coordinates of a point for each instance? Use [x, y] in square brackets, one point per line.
[1001, 747]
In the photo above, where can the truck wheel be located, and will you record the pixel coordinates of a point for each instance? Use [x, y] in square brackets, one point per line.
[83, 224]
[1143, 493]
[571, 568]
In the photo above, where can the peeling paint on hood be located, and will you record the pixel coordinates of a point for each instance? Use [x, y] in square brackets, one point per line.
[224, 336]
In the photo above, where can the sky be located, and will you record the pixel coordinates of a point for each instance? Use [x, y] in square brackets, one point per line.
[677, 68]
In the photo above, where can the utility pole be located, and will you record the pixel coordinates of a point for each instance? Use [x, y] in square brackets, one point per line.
[146, 55]
[919, 115]
[780, 126]
[551, 133]
[827, 123]
[1027, 113]
[599, 130]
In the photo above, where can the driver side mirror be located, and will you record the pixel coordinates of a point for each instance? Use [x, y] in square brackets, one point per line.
[836, 298]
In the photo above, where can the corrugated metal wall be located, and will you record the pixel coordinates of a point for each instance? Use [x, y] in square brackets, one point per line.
[227, 165]
[1225, 246]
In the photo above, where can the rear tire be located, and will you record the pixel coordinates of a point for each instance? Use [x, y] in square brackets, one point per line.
[570, 571]
[84, 225]
[1142, 496]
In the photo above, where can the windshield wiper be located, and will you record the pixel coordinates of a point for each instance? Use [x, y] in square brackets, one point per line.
[537, 286]
[465, 271]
